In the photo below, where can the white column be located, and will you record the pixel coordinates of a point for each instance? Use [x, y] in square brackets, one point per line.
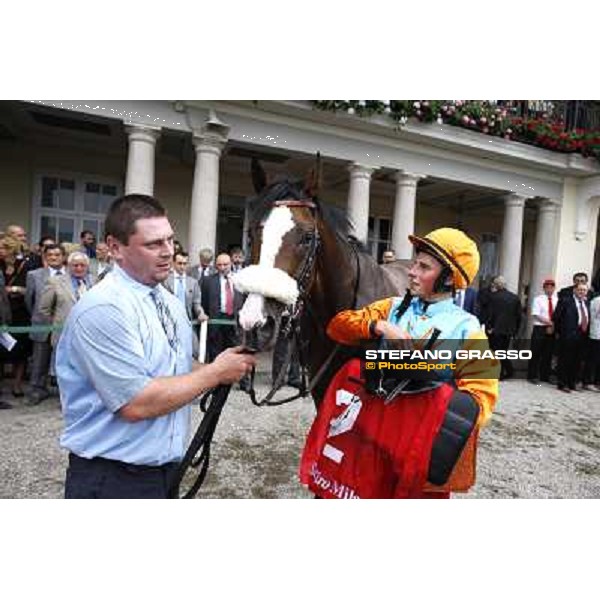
[404, 214]
[205, 192]
[544, 252]
[140, 159]
[358, 200]
[512, 236]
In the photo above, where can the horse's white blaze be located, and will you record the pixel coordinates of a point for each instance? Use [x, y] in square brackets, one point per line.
[280, 221]
[265, 280]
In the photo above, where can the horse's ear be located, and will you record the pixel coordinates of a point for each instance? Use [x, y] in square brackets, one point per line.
[314, 178]
[259, 177]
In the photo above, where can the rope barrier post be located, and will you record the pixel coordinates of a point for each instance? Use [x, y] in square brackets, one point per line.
[202, 341]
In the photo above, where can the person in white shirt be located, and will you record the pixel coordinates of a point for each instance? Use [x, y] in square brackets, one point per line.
[542, 335]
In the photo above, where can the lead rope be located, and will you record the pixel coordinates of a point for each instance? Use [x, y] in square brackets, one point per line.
[197, 455]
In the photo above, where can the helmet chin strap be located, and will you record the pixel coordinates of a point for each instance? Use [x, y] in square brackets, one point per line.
[441, 285]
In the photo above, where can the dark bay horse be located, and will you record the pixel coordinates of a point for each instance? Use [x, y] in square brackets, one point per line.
[305, 261]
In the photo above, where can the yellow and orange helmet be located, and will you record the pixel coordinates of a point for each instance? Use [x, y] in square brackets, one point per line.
[453, 248]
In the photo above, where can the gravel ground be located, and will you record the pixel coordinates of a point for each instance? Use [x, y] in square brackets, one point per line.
[541, 443]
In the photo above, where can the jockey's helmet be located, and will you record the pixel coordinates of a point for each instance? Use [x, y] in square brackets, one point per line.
[454, 249]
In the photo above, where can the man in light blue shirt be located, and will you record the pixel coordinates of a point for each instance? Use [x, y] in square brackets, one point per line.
[125, 369]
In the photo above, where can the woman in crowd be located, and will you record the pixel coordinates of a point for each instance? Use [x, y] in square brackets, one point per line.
[14, 267]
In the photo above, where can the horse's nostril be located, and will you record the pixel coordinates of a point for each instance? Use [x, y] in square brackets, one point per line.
[263, 337]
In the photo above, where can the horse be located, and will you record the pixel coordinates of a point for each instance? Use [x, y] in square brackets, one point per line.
[305, 261]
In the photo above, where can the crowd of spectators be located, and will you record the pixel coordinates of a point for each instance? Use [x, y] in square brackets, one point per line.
[565, 337]
[40, 283]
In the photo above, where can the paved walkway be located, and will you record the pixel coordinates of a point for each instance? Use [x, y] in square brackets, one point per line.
[541, 443]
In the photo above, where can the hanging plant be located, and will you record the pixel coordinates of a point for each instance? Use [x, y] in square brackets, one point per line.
[481, 116]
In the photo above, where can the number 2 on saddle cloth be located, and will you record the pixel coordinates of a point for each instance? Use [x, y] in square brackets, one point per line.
[359, 446]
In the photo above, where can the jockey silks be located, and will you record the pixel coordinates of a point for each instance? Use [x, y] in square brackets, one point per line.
[361, 447]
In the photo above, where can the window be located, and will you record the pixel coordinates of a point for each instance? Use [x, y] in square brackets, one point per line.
[380, 233]
[489, 257]
[65, 205]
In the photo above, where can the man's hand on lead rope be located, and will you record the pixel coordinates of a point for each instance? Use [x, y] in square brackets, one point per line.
[232, 364]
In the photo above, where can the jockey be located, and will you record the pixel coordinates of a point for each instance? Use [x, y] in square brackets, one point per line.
[446, 260]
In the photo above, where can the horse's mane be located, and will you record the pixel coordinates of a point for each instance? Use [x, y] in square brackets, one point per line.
[286, 188]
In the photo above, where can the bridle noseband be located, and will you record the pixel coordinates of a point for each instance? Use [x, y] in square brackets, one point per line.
[305, 271]
[291, 330]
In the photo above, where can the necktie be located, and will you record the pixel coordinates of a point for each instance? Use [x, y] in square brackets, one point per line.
[583, 324]
[181, 289]
[228, 297]
[550, 308]
[81, 289]
[166, 318]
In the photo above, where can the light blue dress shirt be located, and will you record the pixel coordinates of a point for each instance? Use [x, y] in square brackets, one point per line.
[112, 346]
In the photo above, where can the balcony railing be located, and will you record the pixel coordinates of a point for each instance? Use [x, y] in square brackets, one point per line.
[571, 114]
[571, 126]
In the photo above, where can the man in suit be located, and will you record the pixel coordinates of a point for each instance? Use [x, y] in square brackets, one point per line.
[237, 259]
[204, 268]
[502, 320]
[88, 243]
[571, 321]
[220, 300]
[188, 291]
[102, 264]
[53, 258]
[62, 291]
[388, 256]
[578, 278]
[467, 300]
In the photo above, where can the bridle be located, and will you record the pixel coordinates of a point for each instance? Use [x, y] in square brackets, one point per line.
[291, 330]
[213, 401]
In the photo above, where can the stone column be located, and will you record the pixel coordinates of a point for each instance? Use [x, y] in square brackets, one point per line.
[140, 159]
[512, 237]
[358, 199]
[404, 214]
[205, 191]
[544, 252]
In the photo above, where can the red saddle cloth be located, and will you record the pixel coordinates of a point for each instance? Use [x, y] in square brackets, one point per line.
[360, 447]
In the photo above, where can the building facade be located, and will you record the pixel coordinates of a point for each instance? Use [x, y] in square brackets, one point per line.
[533, 212]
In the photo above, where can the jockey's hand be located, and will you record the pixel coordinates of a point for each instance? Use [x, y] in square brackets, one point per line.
[203, 317]
[390, 332]
[232, 364]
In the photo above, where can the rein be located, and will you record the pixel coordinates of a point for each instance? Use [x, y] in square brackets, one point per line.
[291, 330]
[197, 455]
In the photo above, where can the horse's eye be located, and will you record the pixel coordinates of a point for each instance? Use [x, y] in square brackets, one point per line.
[307, 237]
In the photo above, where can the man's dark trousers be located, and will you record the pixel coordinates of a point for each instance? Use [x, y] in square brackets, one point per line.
[110, 479]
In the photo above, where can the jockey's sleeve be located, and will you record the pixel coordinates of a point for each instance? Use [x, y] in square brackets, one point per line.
[478, 377]
[350, 327]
